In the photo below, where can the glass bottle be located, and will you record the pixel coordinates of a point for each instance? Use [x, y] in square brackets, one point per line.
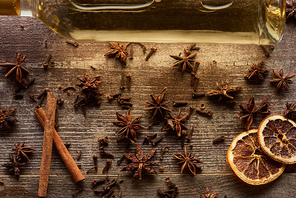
[201, 21]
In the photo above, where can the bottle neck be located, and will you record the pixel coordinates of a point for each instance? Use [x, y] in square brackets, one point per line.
[9, 7]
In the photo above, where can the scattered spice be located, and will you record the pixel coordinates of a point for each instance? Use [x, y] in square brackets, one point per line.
[264, 106]
[158, 105]
[95, 159]
[290, 10]
[290, 112]
[48, 62]
[15, 164]
[107, 166]
[128, 125]
[179, 103]
[60, 101]
[172, 193]
[77, 192]
[209, 195]
[281, 80]
[67, 145]
[190, 112]
[17, 68]
[223, 91]
[140, 163]
[156, 140]
[74, 43]
[198, 95]
[118, 51]
[185, 62]
[21, 150]
[190, 146]
[265, 51]
[79, 155]
[95, 183]
[219, 139]
[248, 112]
[256, 71]
[120, 160]
[161, 169]
[89, 90]
[7, 118]
[189, 137]
[163, 150]
[202, 106]
[103, 141]
[188, 161]
[151, 52]
[176, 123]
[205, 113]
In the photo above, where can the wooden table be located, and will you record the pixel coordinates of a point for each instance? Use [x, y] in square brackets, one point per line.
[147, 77]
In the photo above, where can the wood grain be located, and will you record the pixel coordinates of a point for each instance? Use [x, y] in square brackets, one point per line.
[147, 77]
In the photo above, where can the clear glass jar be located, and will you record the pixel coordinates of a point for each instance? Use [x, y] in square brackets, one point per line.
[201, 21]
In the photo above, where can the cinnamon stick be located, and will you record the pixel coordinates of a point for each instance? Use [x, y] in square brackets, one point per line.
[47, 144]
[62, 150]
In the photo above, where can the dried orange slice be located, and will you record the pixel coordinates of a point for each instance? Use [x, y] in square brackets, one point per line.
[277, 138]
[249, 163]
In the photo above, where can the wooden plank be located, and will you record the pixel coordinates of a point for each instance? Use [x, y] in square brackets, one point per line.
[148, 77]
[189, 186]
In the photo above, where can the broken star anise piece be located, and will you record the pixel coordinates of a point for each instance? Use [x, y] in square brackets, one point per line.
[128, 125]
[256, 71]
[290, 112]
[158, 104]
[188, 161]
[140, 163]
[281, 80]
[118, 51]
[264, 106]
[14, 165]
[22, 150]
[176, 123]
[223, 91]
[291, 10]
[184, 62]
[6, 118]
[248, 112]
[209, 195]
[17, 68]
[90, 90]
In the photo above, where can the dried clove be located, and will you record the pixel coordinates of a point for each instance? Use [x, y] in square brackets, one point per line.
[205, 113]
[179, 103]
[198, 95]
[162, 151]
[151, 52]
[95, 183]
[107, 166]
[77, 192]
[219, 139]
[79, 155]
[74, 43]
[189, 136]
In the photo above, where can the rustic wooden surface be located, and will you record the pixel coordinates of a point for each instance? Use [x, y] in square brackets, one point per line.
[148, 77]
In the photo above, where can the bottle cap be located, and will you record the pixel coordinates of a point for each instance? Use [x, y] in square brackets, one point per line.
[9, 7]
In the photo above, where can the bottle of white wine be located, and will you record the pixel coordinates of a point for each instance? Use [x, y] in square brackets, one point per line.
[201, 21]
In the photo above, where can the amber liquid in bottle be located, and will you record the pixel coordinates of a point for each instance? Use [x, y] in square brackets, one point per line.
[202, 21]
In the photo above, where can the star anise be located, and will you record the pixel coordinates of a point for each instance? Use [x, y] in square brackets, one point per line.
[118, 51]
[290, 112]
[17, 68]
[248, 112]
[128, 125]
[90, 90]
[264, 106]
[22, 150]
[176, 123]
[256, 71]
[14, 165]
[6, 118]
[140, 163]
[158, 104]
[185, 62]
[188, 161]
[282, 80]
[291, 10]
[209, 195]
[223, 91]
